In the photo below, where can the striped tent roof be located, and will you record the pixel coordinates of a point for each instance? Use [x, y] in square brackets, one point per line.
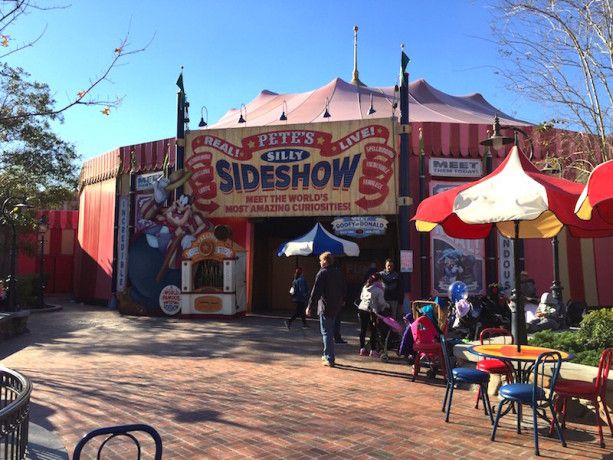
[346, 101]
[451, 125]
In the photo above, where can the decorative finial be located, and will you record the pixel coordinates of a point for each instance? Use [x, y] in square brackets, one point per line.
[355, 80]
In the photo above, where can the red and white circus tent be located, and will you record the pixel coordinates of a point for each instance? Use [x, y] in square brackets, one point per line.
[450, 126]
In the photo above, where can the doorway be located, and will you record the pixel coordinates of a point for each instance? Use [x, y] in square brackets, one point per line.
[273, 275]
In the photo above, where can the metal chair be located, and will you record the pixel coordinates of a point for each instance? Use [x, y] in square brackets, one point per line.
[463, 375]
[121, 430]
[495, 366]
[565, 389]
[534, 395]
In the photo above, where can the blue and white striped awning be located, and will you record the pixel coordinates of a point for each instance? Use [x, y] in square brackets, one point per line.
[316, 241]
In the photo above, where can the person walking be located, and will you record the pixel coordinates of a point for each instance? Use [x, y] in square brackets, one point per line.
[327, 298]
[392, 287]
[300, 295]
[371, 300]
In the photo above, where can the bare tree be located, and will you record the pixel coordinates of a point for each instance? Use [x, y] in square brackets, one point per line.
[560, 53]
[11, 11]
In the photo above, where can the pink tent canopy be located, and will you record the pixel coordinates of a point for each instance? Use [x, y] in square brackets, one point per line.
[350, 102]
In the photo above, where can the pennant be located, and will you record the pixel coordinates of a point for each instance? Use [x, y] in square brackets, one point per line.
[180, 82]
[404, 62]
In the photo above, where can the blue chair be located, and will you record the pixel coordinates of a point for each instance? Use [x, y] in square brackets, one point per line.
[118, 431]
[533, 395]
[464, 375]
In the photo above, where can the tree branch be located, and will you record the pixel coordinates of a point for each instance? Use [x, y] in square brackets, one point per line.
[119, 53]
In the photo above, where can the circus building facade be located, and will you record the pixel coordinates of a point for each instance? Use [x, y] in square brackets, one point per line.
[191, 225]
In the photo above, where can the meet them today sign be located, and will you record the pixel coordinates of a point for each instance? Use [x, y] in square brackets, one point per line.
[456, 167]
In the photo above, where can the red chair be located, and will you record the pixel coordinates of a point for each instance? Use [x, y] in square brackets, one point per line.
[495, 366]
[426, 344]
[565, 389]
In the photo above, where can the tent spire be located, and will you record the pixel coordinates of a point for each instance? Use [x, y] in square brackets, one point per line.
[355, 80]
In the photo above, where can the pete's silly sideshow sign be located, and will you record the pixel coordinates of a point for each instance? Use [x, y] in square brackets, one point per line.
[343, 168]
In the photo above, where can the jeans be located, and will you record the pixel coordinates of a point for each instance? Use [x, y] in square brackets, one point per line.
[337, 326]
[326, 324]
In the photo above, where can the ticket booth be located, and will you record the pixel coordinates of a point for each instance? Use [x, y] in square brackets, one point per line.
[213, 277]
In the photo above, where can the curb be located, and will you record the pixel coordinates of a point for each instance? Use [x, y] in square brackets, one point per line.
[44, 444]
[48, 309]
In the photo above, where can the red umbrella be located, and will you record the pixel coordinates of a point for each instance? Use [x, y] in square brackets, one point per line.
[515, 192]
[597, 196]
[520, 201]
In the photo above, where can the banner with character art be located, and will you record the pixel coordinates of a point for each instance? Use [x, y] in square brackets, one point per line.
[455, 259]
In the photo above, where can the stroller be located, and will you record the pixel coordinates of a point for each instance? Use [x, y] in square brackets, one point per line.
[393, 332]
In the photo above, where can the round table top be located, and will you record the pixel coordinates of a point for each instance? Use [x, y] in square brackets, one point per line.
[509, 351]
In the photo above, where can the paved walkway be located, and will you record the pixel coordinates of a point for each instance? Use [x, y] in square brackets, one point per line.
[248, 388]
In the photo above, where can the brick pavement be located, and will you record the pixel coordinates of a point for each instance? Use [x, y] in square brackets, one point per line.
[250, 389]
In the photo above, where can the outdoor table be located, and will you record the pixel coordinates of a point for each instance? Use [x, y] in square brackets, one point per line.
[522, 361]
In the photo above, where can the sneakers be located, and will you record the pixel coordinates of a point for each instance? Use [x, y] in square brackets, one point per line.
[326, 362]
[340, 340]
[288, 325]
[363, 352]
[374, 354]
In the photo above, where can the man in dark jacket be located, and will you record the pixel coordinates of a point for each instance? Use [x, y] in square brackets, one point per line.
[327, 296]
[392, 287]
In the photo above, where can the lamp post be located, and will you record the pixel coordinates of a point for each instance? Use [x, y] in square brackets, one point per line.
[553, 168]
[518, 315]
[43, 225]
[11, 207]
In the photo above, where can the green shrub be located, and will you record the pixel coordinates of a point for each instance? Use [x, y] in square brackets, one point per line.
[27, 289]
[594, 335]
[597, 329]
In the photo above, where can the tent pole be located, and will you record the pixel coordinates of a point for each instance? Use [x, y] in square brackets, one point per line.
[404, 176]
[518, 315]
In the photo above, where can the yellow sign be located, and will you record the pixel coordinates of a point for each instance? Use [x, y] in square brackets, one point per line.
[206, 247]
[340, 168]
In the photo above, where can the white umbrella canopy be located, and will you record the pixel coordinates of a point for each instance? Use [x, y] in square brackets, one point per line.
[516, 198]
[316, 241]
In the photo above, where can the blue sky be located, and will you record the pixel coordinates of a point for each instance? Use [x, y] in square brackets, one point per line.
[231, 50]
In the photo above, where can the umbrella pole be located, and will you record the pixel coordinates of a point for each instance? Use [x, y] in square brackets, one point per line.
[518, 315]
